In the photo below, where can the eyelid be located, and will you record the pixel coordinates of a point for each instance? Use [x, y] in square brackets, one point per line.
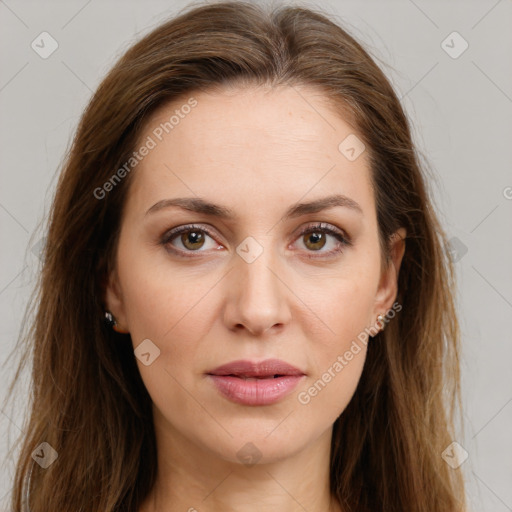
[330, 228]
[172, 233]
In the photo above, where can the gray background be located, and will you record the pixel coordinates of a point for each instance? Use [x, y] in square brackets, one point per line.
[461, 109]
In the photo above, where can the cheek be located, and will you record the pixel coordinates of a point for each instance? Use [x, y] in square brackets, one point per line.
[339, 344]
[161, 299]
[174, 309]
[166, 307]
[337, 358]
[343, 308]
[328, 392]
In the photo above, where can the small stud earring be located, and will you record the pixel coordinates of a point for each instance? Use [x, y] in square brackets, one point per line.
[380, 319]
[112, 323]
[109, 319]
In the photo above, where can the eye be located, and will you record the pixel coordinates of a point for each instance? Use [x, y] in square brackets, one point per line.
[316, 237]
[189, 238]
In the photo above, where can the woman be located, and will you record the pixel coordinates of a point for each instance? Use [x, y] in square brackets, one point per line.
[245, 302]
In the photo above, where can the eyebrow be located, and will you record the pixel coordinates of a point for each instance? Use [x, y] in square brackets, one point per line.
[198, 205]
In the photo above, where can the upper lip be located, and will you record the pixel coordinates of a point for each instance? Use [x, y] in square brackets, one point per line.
[266, 368]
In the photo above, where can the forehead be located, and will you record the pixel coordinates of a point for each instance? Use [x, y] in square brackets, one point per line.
[252, 142]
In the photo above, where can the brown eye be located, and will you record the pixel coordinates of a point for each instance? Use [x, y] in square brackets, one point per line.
[189, 239]
[192, 240]
[314, 240]
[323, 241]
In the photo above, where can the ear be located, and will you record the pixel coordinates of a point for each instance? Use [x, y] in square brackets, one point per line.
[388, 285]
[114, 302]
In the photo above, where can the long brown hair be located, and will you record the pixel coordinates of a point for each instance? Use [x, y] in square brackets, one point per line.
[88, 400]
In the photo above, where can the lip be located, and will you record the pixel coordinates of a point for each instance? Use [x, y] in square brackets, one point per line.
[253, 383]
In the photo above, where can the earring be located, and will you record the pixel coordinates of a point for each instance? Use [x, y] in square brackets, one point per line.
[110, 320]
[380, 319]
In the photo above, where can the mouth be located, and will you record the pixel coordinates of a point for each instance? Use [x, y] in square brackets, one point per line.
[255, 383]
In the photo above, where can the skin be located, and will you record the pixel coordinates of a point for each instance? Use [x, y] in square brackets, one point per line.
[256, 151]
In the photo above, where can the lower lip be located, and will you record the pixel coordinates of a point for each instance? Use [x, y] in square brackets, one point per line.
[255, 392]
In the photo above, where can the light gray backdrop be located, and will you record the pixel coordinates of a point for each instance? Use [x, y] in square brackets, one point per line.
[451, 64]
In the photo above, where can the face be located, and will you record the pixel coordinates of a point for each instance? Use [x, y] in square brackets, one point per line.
[259, 276]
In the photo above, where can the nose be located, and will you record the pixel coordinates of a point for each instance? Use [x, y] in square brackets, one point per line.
[258, 298]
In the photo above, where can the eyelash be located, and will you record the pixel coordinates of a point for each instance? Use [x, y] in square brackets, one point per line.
[343, 239]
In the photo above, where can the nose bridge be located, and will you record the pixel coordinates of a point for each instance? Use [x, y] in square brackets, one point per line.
[258, 295]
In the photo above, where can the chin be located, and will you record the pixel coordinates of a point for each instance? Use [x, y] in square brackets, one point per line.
[259, 444]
